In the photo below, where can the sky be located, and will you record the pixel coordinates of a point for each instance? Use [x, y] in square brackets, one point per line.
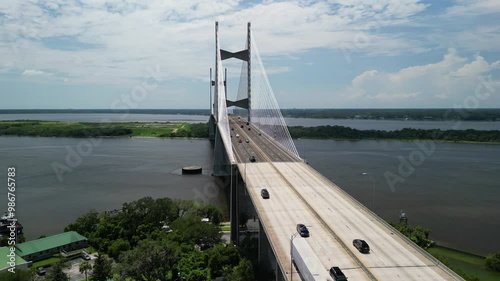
[138, 54]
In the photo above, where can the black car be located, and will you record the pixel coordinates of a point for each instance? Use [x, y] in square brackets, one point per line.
[361, 245]
[337, 274]
[252, 158]
[264, 193]
[302, 230]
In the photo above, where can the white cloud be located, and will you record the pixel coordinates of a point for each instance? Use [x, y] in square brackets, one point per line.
[178, 35]
[34, 72]
[114, 41]
[473, 7]
[441, 84]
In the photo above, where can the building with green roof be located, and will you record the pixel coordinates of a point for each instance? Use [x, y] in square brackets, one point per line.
[5, 260]
[42, 248]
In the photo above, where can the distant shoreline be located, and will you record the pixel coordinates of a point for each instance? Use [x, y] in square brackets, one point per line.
[402, 114]
[35, 128]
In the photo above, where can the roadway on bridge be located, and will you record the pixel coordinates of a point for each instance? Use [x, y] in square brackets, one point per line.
[299, 194]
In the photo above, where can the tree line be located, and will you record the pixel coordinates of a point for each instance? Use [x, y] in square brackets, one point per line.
[163, 239]
[341, 132]
[200, 130]
[397, 114]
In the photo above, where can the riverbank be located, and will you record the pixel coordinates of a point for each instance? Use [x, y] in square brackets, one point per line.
[200, 130]
[470, 264]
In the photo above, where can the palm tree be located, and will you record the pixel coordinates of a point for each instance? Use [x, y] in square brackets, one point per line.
[85, 267]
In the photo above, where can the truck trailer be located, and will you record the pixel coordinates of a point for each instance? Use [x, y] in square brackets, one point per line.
[307, 263]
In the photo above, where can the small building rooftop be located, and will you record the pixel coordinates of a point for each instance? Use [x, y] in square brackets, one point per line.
[50, 242]
[4, 259]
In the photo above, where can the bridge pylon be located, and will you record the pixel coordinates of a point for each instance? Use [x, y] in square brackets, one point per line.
[244, 55]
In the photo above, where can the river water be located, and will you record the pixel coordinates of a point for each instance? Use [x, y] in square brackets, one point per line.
[453, 189]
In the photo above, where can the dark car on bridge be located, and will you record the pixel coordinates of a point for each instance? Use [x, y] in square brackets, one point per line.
[337, 274]
[361, 245]
[264, 193]
[252, 158]
[302, 230]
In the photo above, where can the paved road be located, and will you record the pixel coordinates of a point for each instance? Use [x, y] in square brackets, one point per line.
[299, 194]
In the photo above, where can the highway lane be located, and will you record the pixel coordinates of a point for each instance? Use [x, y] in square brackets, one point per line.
[280, 214]
[261, 146]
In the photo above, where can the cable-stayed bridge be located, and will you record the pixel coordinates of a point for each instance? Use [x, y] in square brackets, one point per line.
[253, 150]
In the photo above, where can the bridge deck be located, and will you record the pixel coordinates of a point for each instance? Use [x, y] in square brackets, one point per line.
[299, 194]
[391, 256]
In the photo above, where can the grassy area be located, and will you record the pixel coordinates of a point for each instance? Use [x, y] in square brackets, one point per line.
[470, 264]
[46, 263]
[225, 226]
[78, 129]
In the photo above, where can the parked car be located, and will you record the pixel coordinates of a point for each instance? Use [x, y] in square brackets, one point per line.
[337, 274]
[86, 256]
[361, 245]
[302, 230]
[41, 271]
[252, 158]
[264, 193]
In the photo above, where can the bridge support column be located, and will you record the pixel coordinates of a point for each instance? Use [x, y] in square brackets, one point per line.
[263, 246]
[212, 127]
[222, 165]
[234, 206]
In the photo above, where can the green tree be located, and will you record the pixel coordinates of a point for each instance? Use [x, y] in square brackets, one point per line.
[4, 241]
[194, 231]
[193, 266]
[118, 246]
[242, 272]
[18, 275]
[220, 256]
[85, 224]
[249, 249]
[493, 262]
[57, 274]
[150, 260]
[102, 268]
[85, 267]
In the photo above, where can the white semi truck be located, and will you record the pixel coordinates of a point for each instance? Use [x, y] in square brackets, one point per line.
[307, 263]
